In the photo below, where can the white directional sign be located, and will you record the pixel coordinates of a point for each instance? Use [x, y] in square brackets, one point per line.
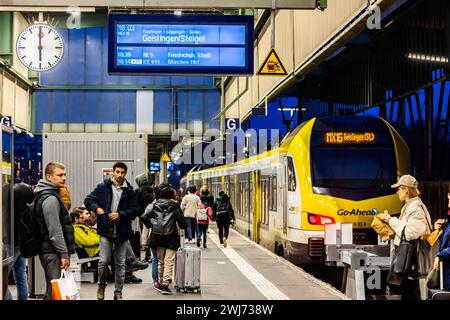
[232, 124]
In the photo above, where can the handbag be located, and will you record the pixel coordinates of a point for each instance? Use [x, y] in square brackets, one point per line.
[424, 258]
[65, 287]
[383, 229]
[424, 254]
[401, 261]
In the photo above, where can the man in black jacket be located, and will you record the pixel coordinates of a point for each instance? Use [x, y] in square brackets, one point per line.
[58, 239]
[114, 202]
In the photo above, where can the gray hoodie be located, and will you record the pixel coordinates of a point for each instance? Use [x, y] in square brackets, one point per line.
[142, 179]
[50, 209]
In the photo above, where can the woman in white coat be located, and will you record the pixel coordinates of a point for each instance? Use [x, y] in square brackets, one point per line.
[414, 219]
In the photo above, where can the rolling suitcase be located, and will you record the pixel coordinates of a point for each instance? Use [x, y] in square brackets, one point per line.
[439, 294]
[187, 268]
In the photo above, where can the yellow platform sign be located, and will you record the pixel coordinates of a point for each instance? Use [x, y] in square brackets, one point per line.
[272, 65]
[165, 157]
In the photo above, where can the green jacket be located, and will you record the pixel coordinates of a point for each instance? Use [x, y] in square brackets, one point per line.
[87, 238]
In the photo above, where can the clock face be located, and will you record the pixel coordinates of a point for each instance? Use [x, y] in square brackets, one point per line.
[40, 47]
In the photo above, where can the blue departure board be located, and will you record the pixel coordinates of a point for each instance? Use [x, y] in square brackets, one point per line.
[188, 45]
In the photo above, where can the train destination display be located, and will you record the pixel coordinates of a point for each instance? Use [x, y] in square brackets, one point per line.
[181, 45]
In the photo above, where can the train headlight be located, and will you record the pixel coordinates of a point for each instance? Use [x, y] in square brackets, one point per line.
[317, 219]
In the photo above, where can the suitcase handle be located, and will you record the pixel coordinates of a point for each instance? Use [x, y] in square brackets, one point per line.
[441, 276]
[182, 237]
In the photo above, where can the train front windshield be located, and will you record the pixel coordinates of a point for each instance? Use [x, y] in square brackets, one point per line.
[356, 164]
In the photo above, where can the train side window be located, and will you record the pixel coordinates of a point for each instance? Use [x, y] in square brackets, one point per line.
[292, 185]
[273, 193]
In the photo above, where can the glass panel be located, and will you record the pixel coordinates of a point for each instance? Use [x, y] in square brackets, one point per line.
[291, 175]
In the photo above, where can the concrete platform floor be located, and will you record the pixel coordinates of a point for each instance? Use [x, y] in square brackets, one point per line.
[242, 271]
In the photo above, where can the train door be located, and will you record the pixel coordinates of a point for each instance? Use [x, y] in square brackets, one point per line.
[294, 219]
[282, 196]
[257, 196]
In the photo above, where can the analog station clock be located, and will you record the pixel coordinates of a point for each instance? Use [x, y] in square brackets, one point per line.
[40, 47]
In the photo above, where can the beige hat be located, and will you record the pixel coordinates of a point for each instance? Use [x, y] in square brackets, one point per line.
[407, 181]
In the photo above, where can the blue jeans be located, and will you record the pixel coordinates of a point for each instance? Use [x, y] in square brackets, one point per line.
[120, 252]
[154, 265]
[20, 276]
[201, 230]
[191, 225]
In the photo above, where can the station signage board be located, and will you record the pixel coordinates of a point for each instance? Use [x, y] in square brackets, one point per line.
[188, 45]
[232, 124]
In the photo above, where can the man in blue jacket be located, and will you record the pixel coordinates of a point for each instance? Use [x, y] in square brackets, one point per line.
[115, 203]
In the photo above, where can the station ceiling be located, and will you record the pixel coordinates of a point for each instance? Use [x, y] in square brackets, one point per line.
[402, 57]
[167, 4]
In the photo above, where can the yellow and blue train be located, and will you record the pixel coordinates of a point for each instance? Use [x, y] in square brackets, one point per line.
[328, 170]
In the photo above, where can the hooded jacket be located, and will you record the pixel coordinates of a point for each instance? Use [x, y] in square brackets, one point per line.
[144, 192]
[59, 234]
[101, 197]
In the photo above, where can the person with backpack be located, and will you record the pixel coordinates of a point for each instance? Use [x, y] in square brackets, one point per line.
[163, 218]
[223, 213]
[55, 223]
[23, 196]
[114, 202]
[204, 214]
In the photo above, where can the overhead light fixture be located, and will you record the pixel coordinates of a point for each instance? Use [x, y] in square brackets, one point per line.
[178, 12]
[427, 58]
[42, 9]
[17, 129]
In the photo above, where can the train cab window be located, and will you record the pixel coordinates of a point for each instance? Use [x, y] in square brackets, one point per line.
[292, 185]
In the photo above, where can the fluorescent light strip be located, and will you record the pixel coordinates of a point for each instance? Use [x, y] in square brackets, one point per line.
[428, 58]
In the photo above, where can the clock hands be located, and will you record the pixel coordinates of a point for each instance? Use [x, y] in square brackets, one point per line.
[40, 35]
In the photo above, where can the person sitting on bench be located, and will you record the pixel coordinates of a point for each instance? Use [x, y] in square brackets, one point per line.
[85, 236]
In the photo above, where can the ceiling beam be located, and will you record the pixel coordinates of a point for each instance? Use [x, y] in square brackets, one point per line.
[165, 4]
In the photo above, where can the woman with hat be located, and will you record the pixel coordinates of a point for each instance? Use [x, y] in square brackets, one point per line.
[414, 221]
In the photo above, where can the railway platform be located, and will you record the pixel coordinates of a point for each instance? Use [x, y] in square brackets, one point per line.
[242, 271]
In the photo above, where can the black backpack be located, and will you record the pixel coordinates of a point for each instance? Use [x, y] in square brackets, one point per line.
[222, 212]
[162, 220]
[31, 229]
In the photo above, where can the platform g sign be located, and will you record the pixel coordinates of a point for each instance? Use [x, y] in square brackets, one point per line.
[232, 123]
